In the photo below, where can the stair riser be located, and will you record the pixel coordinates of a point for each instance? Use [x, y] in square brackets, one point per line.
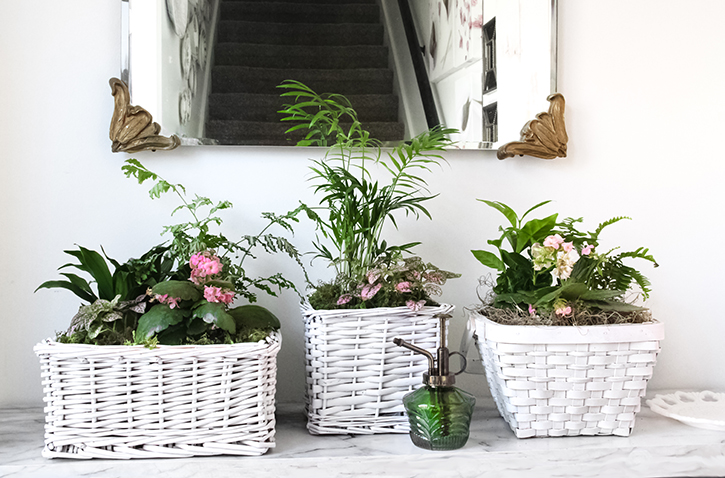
[231, 79]
[311, 13]
[320, 58]
[244, 132]
[306, 34]
[266, 107]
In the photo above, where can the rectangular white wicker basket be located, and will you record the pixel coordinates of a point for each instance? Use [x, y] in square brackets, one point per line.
[567, 381]
[356, 375]
[172, 401]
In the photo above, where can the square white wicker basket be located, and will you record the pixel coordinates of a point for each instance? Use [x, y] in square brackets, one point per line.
[356, 375]
[568, 381]
[172, 401]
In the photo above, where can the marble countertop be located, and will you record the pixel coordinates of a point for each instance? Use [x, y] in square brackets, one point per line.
[658, 446]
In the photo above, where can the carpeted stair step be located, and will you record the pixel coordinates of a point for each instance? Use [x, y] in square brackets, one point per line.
[260, 108]
[301, 56]
[241, 79]
[300, 34]
[250, 132]
[328, 2]
[278, 12]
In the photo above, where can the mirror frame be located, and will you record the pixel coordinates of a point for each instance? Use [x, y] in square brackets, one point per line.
[532, 142]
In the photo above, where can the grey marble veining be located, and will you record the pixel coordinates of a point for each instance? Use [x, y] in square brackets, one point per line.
[658, 447]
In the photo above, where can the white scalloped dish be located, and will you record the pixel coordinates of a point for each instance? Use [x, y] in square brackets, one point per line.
[698, 409]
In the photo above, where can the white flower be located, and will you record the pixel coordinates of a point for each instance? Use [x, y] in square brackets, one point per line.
[565, 264]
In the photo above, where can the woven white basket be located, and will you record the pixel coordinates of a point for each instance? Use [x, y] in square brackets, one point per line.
[171, 401]
[567, 381]
[356, 375]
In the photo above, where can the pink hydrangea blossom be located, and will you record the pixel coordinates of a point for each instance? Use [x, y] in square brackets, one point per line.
[567, 246]
[369, 291]
[403, 287]
[415, 306]
[553, 241]
[344, 299]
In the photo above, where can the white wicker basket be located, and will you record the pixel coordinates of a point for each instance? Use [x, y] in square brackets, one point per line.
[567, 381]
[356, 375]
[171, 401]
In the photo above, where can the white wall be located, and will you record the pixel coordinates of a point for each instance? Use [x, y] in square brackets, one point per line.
[643, 82]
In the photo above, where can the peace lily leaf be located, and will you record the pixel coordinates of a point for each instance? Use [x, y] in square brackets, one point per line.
[254, 316]
[215, 313]
[158, 318]
[180, 289]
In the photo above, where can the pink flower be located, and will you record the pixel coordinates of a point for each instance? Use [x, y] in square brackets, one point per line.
[415, 306]
[567, 246]
[172, 302]
[403, 287]
[217, 294]
[587, 249]
[369, 291]
[553, 241]
[203, 265]
[344, 299]
[563, 311]
[532, 311]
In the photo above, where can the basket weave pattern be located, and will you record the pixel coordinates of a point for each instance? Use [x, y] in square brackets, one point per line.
[171, 401]
[568, 389]
[356, 375]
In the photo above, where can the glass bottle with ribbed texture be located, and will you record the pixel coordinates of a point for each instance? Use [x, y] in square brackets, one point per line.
[439, 413]
[440, 417]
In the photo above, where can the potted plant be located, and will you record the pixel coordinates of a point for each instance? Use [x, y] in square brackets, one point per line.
[356, 376]
[567, 350]
[158, 362]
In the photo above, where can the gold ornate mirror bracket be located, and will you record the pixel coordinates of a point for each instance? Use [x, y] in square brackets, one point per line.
[544, 137]
[132, 127]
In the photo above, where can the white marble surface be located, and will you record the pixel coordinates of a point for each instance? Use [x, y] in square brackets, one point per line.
[659, 447]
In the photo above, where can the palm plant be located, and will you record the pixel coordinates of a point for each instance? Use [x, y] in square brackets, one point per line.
[355, 207]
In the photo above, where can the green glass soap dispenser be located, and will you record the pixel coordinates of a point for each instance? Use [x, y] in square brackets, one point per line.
[439, 413]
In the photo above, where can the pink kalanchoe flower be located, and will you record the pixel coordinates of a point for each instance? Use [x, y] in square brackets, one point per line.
[369, 291]
[172, 302]
[567, 246]
[203, 265]
[403, 287]
[587, 249]
[553, 241]
[344, 299]
[563, 311]
[217, 294]
[415, 306]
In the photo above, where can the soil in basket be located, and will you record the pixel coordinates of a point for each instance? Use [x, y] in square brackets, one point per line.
[576, 318]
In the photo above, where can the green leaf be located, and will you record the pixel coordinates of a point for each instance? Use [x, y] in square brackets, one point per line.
[254, 316]
[215, 313]
[78, 291]
[534, 231]
[503, 209]
[489, 259]
[180, 289]
[158, 318]
[96, 265]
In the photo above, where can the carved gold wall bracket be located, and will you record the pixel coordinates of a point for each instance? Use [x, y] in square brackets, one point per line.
[132, 127]
[544, 137]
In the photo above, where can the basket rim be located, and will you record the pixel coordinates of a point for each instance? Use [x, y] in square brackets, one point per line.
[486, 329]
[50, 345]
[307, 310]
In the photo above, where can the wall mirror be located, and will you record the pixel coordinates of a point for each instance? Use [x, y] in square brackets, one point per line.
[207, 70]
